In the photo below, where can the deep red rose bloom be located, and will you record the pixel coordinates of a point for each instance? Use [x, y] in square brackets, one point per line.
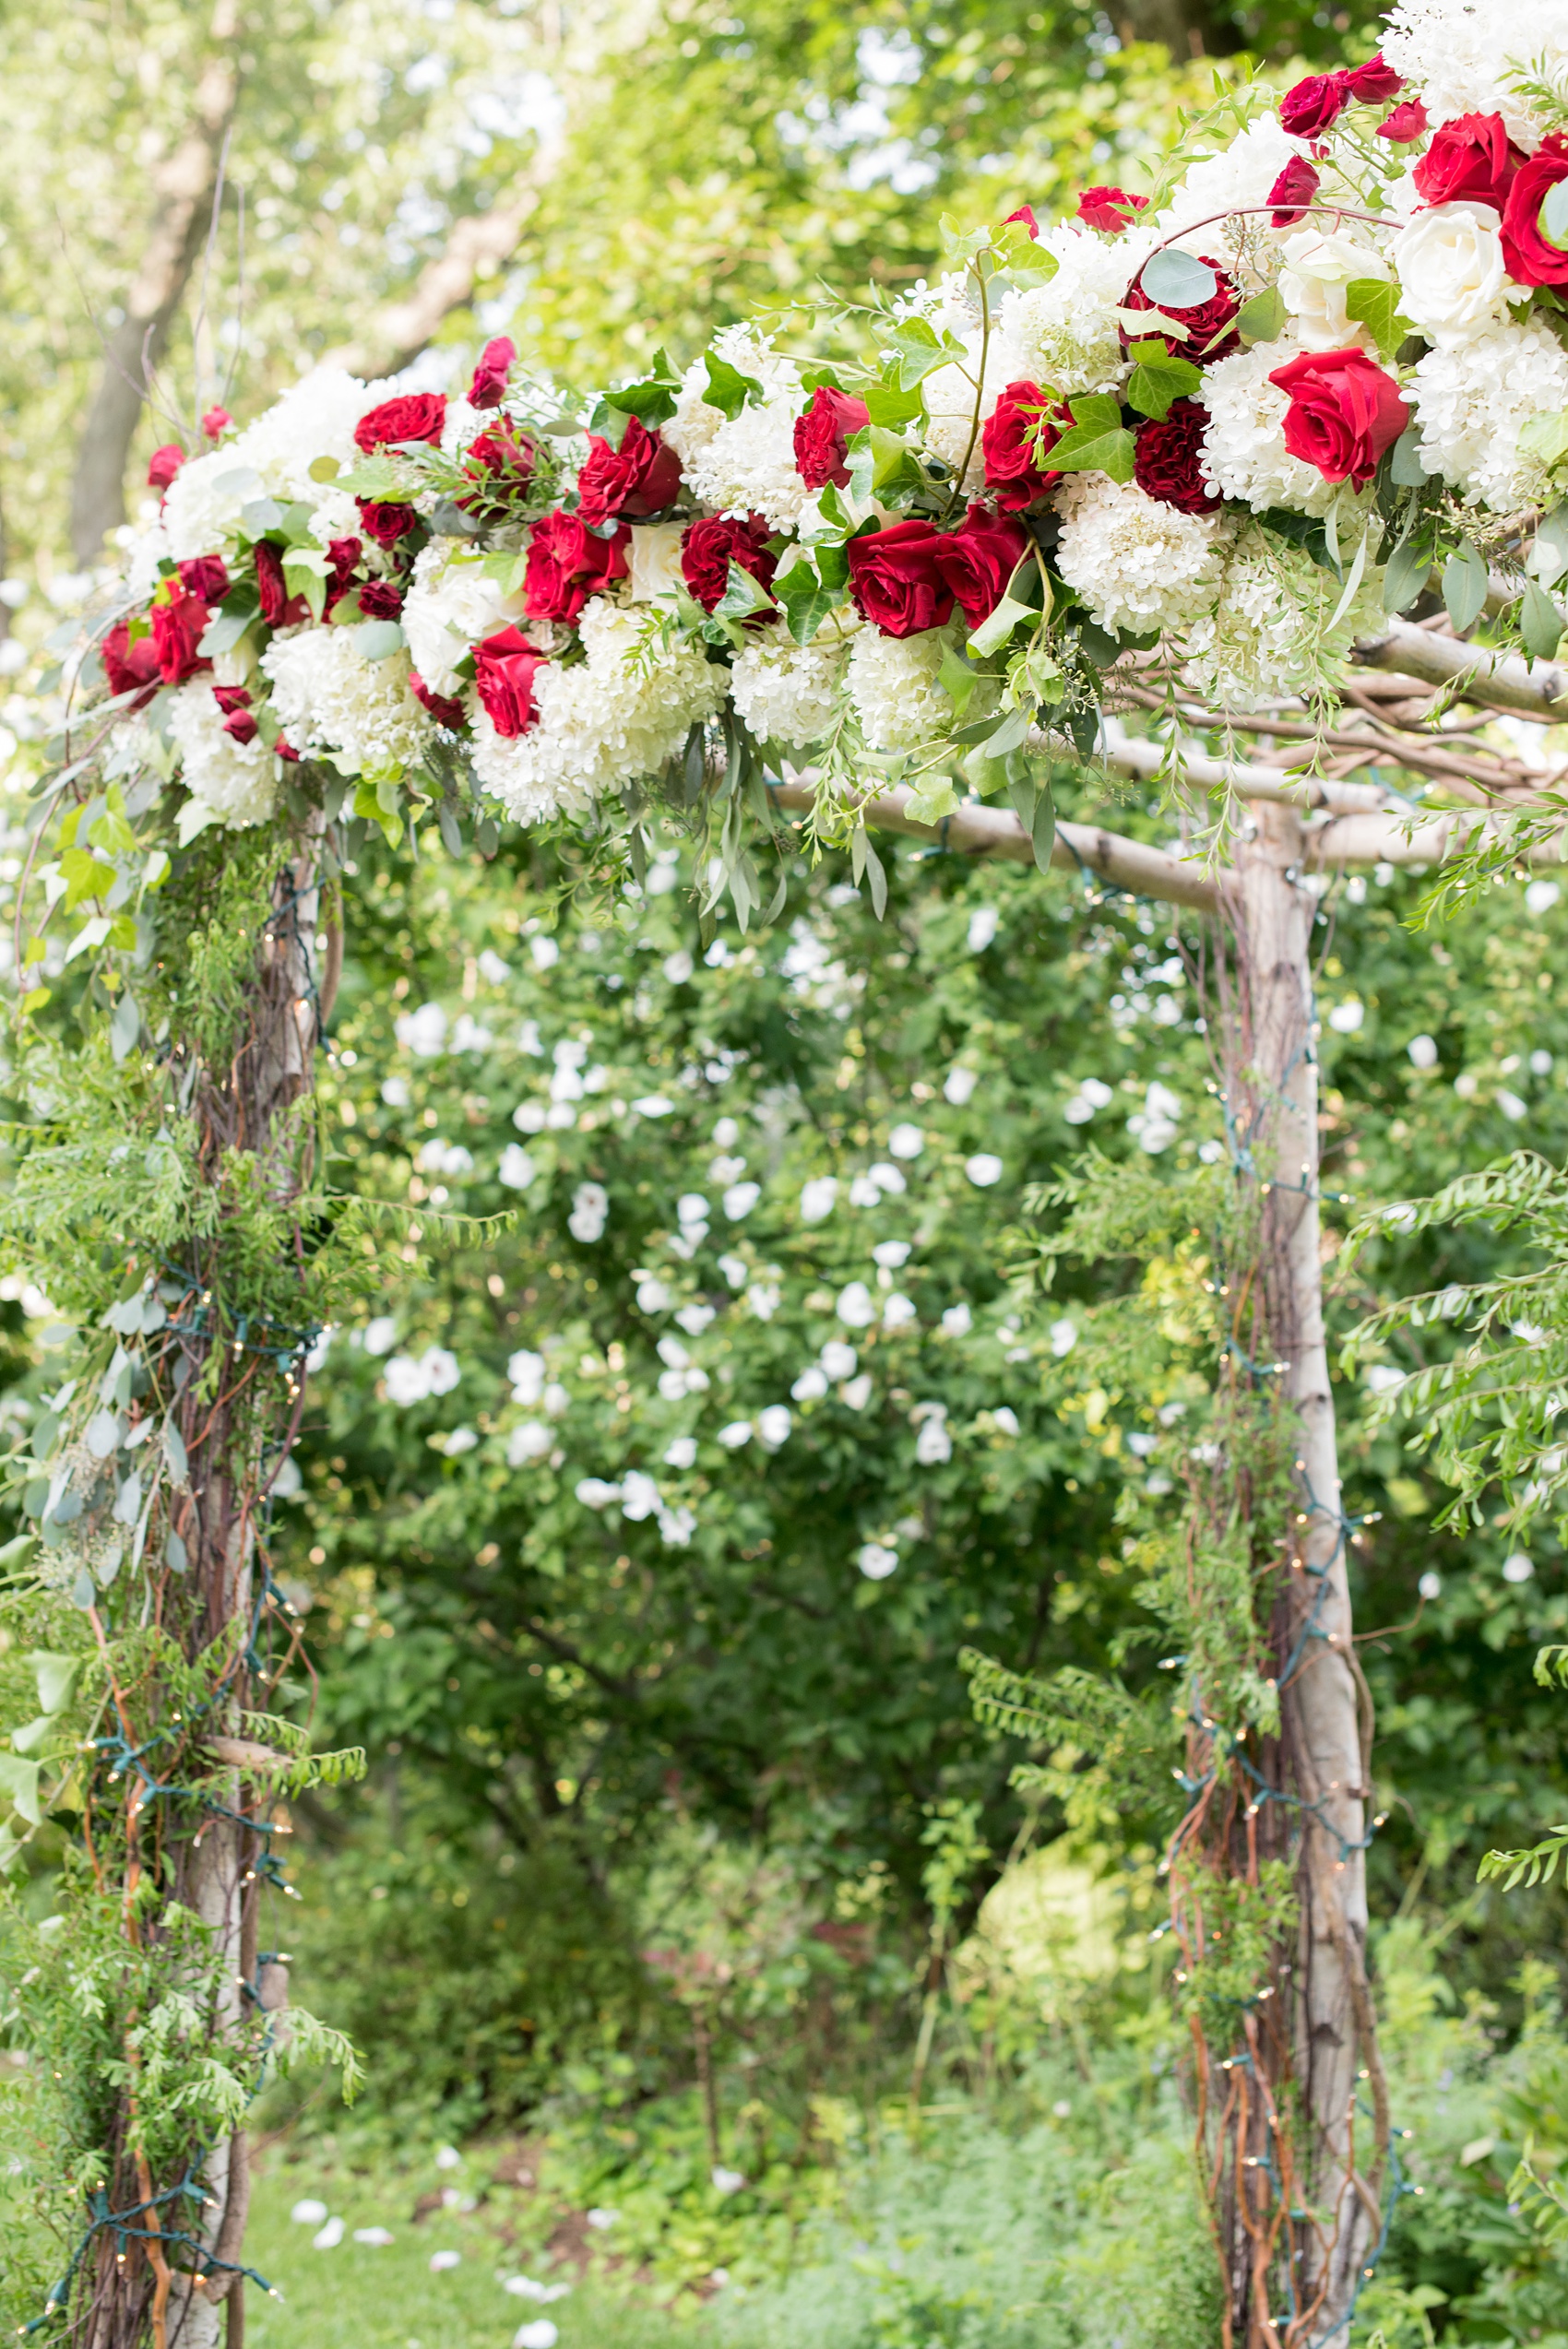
[1532, 259]
[503, 673]
[979, 558]
[1374, 83]
[1292, 192]
[566, 565]
[1203, 320]
[1026, 213]
[178, 627]
[1315, 105]
[1407, 121]
[1344, 413]
[381, 599]
[1471, 161]
[344, 555]
[216, 422]
[206, 575]
[897, 580]
[163, 464]
[442, 707]
[823, 433]
[1109, 208]
[129, 667]
[489, 384]
[639, 478]
[412, 416]
[1166, 454]
[279, 608]
[234, 701]
[709, 547]
[500, 465]
[385, 523]
[1013, 471]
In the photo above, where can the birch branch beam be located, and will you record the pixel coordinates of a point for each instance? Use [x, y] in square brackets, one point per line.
[1497, 680]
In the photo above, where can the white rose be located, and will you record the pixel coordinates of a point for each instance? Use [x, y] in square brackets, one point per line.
[1318, 268]
[1454, 284]
[656, 559]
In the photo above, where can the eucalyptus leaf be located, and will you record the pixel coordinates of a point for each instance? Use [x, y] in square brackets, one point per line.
[1408, 568]
[124, 1026]
[1464, 587]
[378, 639]
[1174, 281]
[1540, 622]
[1405, 469]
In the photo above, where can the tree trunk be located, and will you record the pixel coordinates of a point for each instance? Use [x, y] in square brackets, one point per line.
[186, 184]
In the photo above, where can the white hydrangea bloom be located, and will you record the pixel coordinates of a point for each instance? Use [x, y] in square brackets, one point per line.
[1266, 632]
[461, 424]
[146, 551]
[315, 419]
[601, 722]
[743, 464]
[785, 691]
[1138, 565]
[1066, 333]
[450, 606]
[328, 698]
[236, 780]
[1244, 455]
[893, 687]
[1471, 404]
[951, 429]
[1460, 54]
[1240, 176]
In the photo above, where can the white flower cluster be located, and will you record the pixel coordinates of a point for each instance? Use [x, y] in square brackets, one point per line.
[329, 698]
[233, 780]
[1266, 632]
[745, 463]
[1235, 180]
[272, 457]
[785, 691]
[1065, 332]
[1461, 56]
[1138, 565]
[1244, 455]
[450, 607]
[893, 687]
[1471, 404]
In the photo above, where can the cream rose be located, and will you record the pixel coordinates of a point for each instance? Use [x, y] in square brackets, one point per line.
[656, 560]
[1452, 282]
[1318, 268]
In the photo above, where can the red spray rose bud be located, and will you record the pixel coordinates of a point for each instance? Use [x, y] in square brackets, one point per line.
[639, 478]
[489, 386]
[206, 575]
[1024, 213]
[381, 599]
[566, 565]
[234, 701]
[979, 558]
[178, 626]
[1344, 413]
[1315, 105]
[129, 667]
[280, 748]
[503, 674]
[501, 466]
[1109, 208]
[386, 523]
[1167, 458]
[413, 416]
[1294, 189]
[1409, 121]
[1532, 258]
[279, 608]
[344, 555]
[216, 422]
[442, 707]
[1374, 83]
[1471, 161]
[163, 464]
[710, 546]
[823, 434]
[1205, 339]
[897, 580]
[1024, 422]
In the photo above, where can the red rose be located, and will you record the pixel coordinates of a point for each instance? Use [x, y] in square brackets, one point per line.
[344, 555]
[822, 436]
[709, 547]
[129, 667]
[442, 707]
[640, 477]
[412, 416]
[280, 748]
[1205, 321]
[163, 464]
[897, 580]
[1532, 259]
[979, 558]
[178, 626]
[1024, 213]
[500, 465]
[206, 575]
[489, 385]
[1374, 83]
[1292, 191]
[1471, 161]
[1109, 208]
[1166, 458]
[380, 599]
[279, 608]
[1344, 412]
[566, 565]
[234, 701]
[1315, 105]
[1407, 121]
[385, 523]
[1013, 469]
[503, 673]
[216, 422]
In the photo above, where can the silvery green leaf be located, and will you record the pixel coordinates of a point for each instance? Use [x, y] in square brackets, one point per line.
[127, 1506]
[57, 1678]
[83, 1593]
[1464, 587]
[377, 639]
[1173, 280]
[111, 1565]
[174, 1554]
[174, 1451]
[103, 1434]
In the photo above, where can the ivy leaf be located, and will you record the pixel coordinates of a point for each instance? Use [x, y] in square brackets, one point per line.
[887, 404]
[743, 595]
[18, 1779]
[1546, 438]
[1098, 442]
[728, 389]
[805, 601]
[993, 633]
[1374, 302]
[1263, 318]
[1157, 379]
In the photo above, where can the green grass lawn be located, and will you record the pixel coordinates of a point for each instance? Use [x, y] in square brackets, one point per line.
[357, 2296]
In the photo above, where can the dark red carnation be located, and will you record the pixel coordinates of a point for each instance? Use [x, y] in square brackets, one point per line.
[381, 599]
[206, 575]
[1109, 208]
[412, 416]
[897, 580]
[1407, 121]
[1374, 83]
[1532, 258]
[178, 626]
[1013, 469]
[639, 478]
[385, 523]
[1205, 339]
[710, 546]
[501, 466]
[234, 701]
[130, 668]
[489, 386]
[163, 464]
[823, 433]
[279, 608]
[1471, 161]
[1315, 105]
[442, 707]
[1024, 213]
[504, 675]
[1166, 458]
[1294, 189]
[216, 422]
[979, 558]
[1344, 413]
[566, 565]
